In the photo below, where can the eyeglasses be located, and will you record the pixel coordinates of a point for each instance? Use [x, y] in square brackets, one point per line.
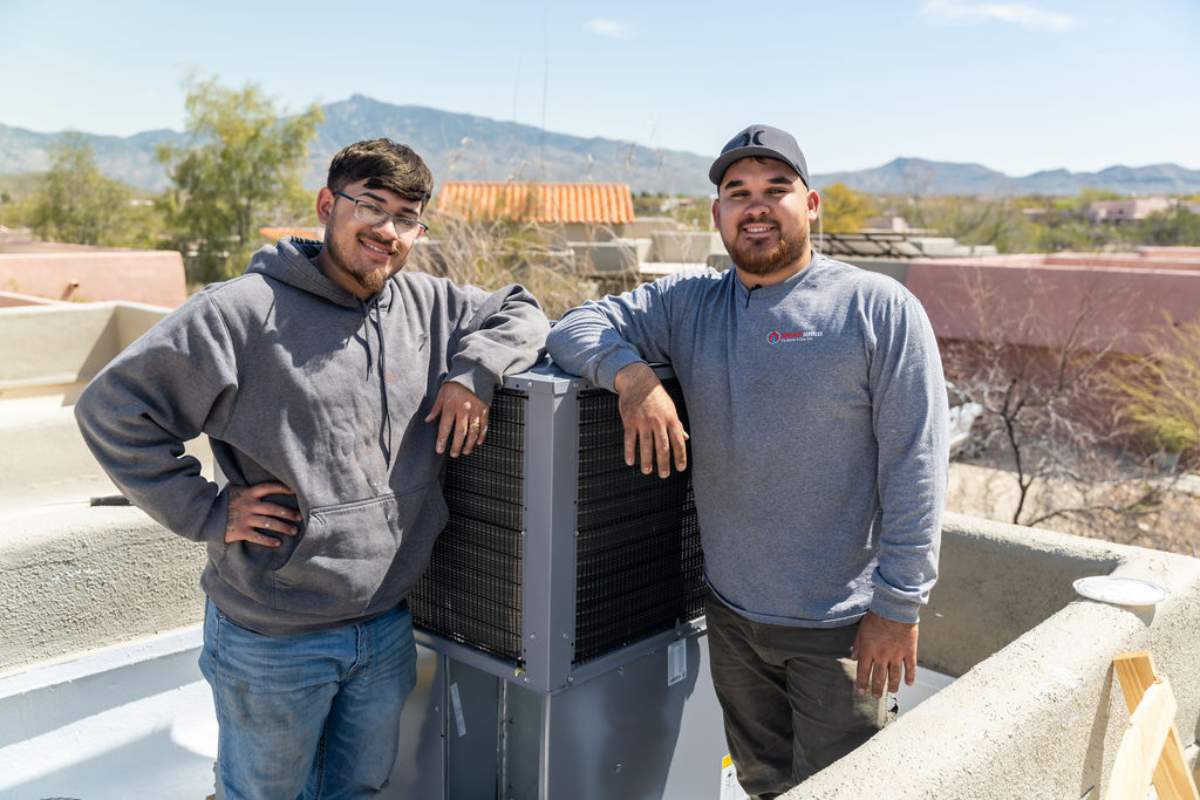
[373, 215]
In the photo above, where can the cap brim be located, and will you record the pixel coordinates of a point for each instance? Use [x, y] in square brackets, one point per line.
[717, 170]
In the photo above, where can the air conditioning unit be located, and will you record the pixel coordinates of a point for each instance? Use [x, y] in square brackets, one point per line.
[560, 622]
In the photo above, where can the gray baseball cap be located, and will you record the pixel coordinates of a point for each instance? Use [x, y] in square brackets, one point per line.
[763, 141]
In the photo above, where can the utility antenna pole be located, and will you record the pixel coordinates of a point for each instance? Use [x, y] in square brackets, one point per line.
[516, 88]
[545, 80]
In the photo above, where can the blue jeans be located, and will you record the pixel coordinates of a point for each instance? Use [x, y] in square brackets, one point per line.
[313, 716]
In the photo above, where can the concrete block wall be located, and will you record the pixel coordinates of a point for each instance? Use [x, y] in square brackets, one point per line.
[616, 257]
[646, 227]
[686, 246]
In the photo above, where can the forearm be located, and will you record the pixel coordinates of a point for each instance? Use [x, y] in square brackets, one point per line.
[635, 380]
[148, 466]
[913, 471]
[505, 335]
[911, 429]
[176, 382]
[602, 337]
[585, 343]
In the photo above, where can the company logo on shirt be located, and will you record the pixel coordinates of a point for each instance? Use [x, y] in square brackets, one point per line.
[778, 337]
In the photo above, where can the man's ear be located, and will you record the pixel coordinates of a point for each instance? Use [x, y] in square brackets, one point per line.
[325, 200]
[716, 212]
[814, 205]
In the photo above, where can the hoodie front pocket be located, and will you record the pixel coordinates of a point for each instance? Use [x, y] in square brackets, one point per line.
[344, 554]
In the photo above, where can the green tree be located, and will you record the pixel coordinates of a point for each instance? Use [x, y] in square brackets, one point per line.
[1162, 392]
[75, 202]
[241, 170]
[1174, 227]
[844, 210]
[977, 221]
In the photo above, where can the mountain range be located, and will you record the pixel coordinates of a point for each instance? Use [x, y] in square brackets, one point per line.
[467, 147]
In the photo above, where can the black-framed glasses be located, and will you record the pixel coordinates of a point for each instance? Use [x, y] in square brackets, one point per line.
[373, 215]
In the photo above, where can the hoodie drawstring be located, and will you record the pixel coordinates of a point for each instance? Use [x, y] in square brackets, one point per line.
[373, 319]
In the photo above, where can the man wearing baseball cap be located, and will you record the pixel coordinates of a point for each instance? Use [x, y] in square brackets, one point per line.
[818, 430]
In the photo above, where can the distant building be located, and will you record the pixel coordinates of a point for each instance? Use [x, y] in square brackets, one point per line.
[891, 223]
[1134, 208]
[31, 269]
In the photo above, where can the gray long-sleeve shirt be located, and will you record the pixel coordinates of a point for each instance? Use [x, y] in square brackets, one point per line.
[818, 413]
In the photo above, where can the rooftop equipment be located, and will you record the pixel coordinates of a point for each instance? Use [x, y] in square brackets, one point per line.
[561, 616]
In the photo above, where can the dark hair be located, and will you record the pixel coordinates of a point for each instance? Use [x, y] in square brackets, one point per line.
[385, 165]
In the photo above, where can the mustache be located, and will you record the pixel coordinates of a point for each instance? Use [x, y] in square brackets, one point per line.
[390, 246]
[749, 219]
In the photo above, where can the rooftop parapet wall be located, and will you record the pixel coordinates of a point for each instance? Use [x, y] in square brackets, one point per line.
[1042, 715]
[140, 276]
[52, 345]
[1012, 579]
[11, 299]
[74, 578]
[1039, 305]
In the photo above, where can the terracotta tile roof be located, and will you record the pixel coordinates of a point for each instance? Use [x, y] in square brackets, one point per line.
[599, 203]
[275, 234]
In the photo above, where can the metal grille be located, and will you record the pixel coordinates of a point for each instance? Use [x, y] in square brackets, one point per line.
[471, 592]
[639, 569]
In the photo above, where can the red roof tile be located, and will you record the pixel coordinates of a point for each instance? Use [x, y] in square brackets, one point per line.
[598, 203]
[275, 234]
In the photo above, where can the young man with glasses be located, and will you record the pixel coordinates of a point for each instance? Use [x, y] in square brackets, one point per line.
[331, 386]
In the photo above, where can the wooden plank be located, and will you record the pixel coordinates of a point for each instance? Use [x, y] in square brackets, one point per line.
[1142, 744]
[1172, 778]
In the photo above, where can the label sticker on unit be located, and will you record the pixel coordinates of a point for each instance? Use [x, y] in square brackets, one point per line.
[676, 661]
[730, 788]
[456, 704]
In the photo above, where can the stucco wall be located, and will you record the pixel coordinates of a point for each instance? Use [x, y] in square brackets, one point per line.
[50, 345]
[1004, 300]
[1042, 716]
[141, 276]
[74, 578]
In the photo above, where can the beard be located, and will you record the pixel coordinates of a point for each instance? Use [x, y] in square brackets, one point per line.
[764, 261]
[372, 279]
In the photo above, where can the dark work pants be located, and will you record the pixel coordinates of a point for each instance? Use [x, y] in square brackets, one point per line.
[788, 698]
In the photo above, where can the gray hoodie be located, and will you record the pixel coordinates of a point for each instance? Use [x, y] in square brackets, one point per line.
[296, 380]
[818, 429]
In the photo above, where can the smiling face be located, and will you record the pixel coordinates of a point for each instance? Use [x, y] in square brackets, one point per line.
[358, 256]
[763, 211]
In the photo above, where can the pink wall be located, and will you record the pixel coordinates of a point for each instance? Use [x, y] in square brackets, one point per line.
[11, 299]
[1017, 301]
[1173, 260]
[142, 276]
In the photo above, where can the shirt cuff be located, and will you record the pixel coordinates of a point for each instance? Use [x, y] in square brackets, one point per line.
[474, 377]
[614, 362]
[213, 529]
[895, 609]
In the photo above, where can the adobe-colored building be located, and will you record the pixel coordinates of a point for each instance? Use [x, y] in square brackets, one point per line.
[1111, 302]
[80, 273]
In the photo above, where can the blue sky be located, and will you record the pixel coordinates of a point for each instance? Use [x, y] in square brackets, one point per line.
[1017, 86]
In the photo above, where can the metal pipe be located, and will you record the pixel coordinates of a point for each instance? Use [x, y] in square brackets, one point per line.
[502, 741]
